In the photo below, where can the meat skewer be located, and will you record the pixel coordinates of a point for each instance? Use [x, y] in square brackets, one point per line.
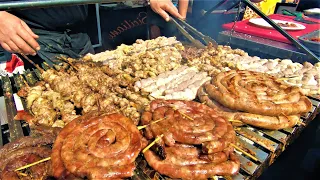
[46, 106]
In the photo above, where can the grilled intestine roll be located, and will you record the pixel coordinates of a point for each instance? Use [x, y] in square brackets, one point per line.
[255, 98]
[97, 146]
[195, 142]
[24, 151]
[257, 93]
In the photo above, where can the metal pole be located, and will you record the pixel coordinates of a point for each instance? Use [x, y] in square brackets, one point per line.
[283, 32]
[14, 5]
[209, 12]
[98, 27]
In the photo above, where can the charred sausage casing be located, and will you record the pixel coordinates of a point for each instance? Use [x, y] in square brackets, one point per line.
[196, 147]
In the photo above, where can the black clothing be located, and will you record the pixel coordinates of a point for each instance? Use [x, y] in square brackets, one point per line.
[59, 29]
[53, 19]
[54, 44]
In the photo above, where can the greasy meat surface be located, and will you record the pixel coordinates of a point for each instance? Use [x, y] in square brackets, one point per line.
[262, 121]
[46, 107]
[257, 93]
[180, 84]
[97, 147]
[196, 140]
[91, 89]
[26, 150]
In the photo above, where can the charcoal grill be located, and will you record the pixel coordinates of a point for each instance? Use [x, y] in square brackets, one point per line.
[265, 145]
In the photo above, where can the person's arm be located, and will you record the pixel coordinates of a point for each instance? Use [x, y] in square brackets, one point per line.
[163, 7]
[16, 36]
[183, 8]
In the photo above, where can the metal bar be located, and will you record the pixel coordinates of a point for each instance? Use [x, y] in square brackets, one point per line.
[2, 116]
[247, 144]
[279, 29]
[98, 27]
[247, 165]
[14, 5]
[257, 138]
[1, 142]
[209, 12]
[239, 177]
[15, 128]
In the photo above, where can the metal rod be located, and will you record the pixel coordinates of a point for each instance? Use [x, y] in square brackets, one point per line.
[98, 27]
[15, 128]
[209, 12]
[279, 29]
[14, 5]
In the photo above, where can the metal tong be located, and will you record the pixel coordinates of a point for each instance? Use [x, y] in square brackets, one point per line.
[182, 26]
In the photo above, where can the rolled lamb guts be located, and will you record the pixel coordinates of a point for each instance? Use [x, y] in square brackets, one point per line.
[24, 151]
[195, 140]
[257, 93]
[97, 147]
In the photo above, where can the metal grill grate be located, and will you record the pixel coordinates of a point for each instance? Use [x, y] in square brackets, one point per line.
[266, 145]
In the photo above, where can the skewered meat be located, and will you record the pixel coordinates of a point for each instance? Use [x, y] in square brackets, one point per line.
[139, 47]
[106, 86]
[257, 93]
[204, 59]
[181, 83]
[143, 59]
[97, 147]
[24, 151]
[46, 106]
[279, 68]
[262, 121]
[89, 89]
[186, 125]
[70, 87]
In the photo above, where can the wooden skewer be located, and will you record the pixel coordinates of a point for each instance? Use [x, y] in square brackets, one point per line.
[151, 144]
[215, 178]
[142, 127]
[247, 154]
[23, 174]
[36, 65]
[237, 121]
[45, 63]
[71, 64]
[183, 114]
[287, 78]
[301, 123]
[24, 81]
[32, 164]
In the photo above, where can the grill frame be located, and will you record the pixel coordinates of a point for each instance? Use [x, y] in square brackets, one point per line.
[267, 145]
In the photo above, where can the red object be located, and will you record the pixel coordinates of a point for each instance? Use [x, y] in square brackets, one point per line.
[248, 28]
[12, 64]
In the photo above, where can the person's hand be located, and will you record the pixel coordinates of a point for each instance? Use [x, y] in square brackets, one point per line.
[163, 7]
[16, 36]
